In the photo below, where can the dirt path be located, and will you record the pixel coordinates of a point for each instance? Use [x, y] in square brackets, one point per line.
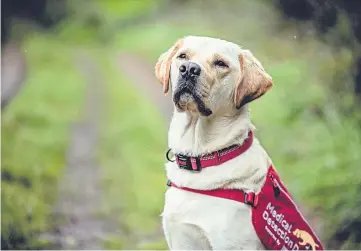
[13, 72]
[80, 192]
[141, 73]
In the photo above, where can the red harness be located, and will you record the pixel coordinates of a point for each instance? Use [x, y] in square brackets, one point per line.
[277, 220]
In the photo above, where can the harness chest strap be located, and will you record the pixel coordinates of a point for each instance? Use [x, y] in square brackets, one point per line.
[249, 198]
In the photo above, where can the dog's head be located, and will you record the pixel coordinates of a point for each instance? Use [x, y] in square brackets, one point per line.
[208, 75]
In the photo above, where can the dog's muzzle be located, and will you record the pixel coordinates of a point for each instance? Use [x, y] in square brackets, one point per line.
[189, 73]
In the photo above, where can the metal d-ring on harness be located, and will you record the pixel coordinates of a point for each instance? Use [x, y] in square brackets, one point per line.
[167, 155]
[192, 164]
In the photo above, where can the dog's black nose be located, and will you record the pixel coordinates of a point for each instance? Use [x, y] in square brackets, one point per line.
[182, 68]
[194, 69]
[190, 69]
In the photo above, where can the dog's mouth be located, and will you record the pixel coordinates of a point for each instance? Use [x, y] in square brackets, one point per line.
[185, 95]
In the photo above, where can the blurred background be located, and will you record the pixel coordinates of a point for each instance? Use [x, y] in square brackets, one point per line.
[84, 123]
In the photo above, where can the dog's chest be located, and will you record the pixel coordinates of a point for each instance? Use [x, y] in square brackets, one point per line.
[225, 223]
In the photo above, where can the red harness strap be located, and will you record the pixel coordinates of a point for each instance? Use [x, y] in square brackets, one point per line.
[249, 198]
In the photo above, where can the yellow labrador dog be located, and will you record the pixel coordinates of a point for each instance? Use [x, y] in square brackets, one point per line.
[212, 81]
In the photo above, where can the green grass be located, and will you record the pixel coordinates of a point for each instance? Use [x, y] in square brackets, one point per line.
[35, 136]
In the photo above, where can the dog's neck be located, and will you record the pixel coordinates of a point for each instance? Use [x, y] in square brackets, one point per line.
[193, 134]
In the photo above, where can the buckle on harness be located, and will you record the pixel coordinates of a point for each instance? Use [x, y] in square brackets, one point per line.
[192, 164]
[251, 199]
[217, 156]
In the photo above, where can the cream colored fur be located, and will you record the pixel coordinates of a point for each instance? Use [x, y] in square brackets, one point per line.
[198, 222]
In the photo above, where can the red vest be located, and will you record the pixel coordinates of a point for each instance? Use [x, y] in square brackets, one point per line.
[277, 220]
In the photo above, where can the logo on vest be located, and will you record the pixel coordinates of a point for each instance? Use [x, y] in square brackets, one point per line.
[307, 239]
[278, 228]
[281, 231]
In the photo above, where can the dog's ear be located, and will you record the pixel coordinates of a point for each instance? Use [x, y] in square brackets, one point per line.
[162, 68]
[254, 80]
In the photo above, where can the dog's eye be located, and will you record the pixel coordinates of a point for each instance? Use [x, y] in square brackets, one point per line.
[220, 63]
[182, 56]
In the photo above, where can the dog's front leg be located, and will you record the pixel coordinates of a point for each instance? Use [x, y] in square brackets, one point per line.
[184, 236]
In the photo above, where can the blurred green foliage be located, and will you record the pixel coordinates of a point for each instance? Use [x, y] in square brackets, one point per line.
[35, 134]
[309, 123]
[94, 21]
[125, 9]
